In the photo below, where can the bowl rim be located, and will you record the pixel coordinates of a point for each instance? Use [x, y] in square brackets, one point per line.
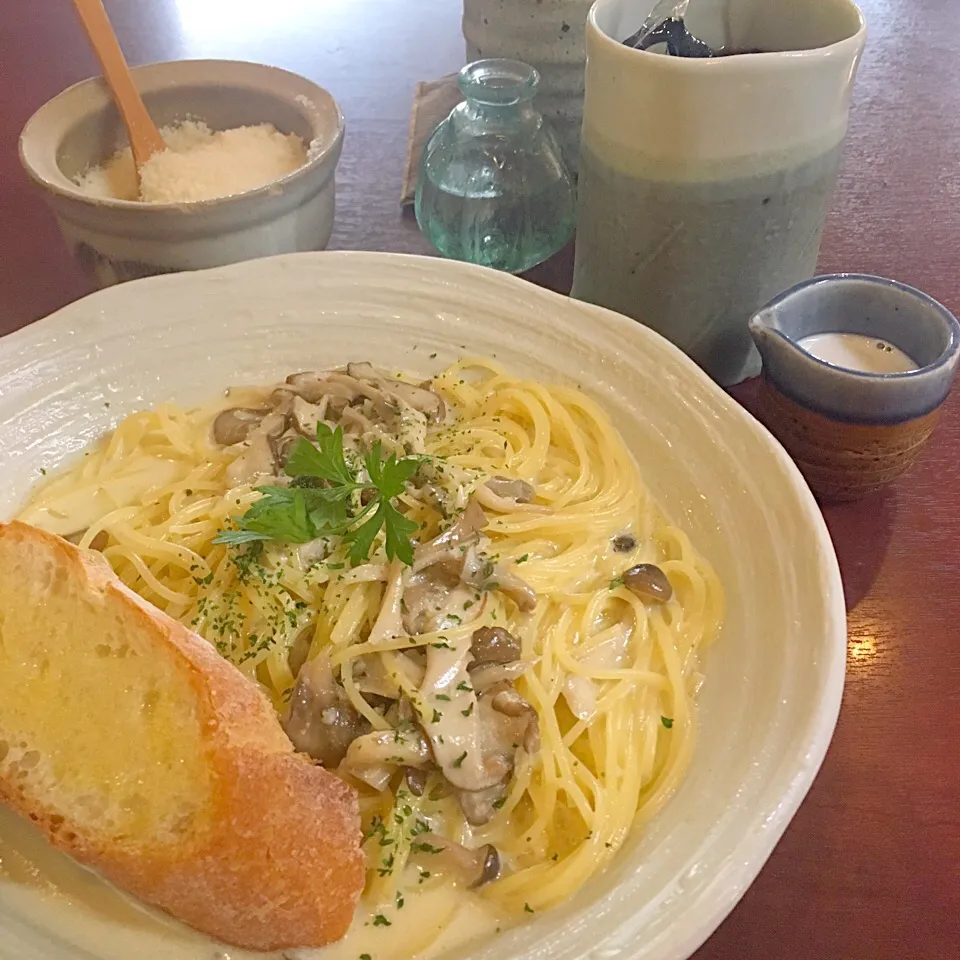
[729, 885]
[30, 150]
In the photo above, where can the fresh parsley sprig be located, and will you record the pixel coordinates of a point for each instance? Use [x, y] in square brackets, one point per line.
[318, 501]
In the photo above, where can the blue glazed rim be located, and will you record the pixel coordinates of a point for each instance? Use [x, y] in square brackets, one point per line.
[950, 351]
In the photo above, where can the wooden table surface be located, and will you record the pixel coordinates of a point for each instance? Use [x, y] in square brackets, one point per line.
[870, 867]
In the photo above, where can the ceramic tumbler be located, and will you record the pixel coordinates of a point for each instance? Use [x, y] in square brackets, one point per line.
[705, 183]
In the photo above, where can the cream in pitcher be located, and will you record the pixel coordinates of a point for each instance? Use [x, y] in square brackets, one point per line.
[705, 183]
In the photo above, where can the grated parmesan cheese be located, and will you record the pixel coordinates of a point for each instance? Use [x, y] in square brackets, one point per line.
[199, 164]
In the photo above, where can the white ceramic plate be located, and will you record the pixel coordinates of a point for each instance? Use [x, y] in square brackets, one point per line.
[774, 678]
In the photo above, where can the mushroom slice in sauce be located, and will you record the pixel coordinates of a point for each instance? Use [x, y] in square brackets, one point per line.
[312, 387]
[490, 675]
[434, 599]
[487, 575]
[473, 867]
[259, 457]
[234, 425]
[417, 780]
[451, 718]
[480, 806]
[465, 530]
[374, 757]
[300, 649]
[648, 582]
[353, 421]
[489, 499]
[379, 405]
[579, 691]
[517, 490]
[494, 645]
[306, 416]
[320, 720]
[510, 703]
[339, 390]
[373, 678]
[420, 398]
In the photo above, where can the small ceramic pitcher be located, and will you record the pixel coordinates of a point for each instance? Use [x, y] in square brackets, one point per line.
[705, 183]
[852, 431]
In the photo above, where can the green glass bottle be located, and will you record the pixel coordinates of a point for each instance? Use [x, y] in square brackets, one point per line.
[493, 187]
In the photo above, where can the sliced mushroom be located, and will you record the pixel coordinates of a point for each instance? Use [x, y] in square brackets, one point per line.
[281, 449]
[494, 645]
[486, 677]
[450, 716]
[259, 458]
[465, 530]
[234, 425]
[520, 592]
[305, 417]
[480, 806]
[579, 691]
[510, 703]
[473, 867]
[375, 757]
[648, 582]
[312, 386]
[426, 401]
[321, 721]
[380, 404]
[417, 780]
[487, 575]
[300, 648]
[373, 678]
[434, 599]
[282, 398]
[489, 500]
[353, 421]
[517, 490]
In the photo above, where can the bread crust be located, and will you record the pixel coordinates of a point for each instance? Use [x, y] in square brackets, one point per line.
[278, 864]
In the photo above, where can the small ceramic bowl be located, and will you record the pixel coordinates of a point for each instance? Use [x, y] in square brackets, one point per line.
[117, 240]
[852, 431]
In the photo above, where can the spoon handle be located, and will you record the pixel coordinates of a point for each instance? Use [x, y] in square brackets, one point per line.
[145, 139]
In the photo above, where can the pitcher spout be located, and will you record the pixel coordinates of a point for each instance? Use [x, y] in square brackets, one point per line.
[772, 341]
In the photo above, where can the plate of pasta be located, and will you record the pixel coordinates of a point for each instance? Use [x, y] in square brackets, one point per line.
[561, 618]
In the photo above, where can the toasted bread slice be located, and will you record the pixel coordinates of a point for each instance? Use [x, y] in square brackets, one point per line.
[140, 752]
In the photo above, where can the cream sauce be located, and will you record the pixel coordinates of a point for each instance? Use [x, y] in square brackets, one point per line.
[64, 901]
[854, 351]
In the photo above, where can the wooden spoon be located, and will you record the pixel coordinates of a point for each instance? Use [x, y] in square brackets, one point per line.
[145, 139]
